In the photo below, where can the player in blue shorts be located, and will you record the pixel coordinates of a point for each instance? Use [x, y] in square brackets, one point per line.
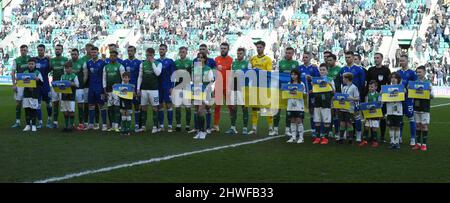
[132, 65]
[93, 71]
[408, 105]
[307, 71]
[43, 65]
[165, 88]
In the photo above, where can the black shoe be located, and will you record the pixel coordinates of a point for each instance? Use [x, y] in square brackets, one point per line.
[187, 129]
[178, 129]
[350, 141]
[341, 141]
[64, 130]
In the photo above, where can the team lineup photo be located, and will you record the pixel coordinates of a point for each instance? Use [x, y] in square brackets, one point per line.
[238, 91]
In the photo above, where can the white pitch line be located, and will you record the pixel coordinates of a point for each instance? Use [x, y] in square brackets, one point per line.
[158, 159]
[438, 105]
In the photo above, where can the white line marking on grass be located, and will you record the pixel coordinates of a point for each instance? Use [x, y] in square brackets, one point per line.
[438, 105]
[152, 160]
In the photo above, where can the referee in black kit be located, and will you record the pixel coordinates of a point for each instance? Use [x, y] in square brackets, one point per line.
[381, 74]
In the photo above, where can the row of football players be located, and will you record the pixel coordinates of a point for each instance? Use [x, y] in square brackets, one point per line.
[93, 88]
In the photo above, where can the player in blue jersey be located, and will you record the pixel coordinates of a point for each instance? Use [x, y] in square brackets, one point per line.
[357, 61]
[211, 63]
[93, 70]
[359, 80]
[307, 71]
[132, 65]
[165, 88]
[113, 47]
[43, 65]
[359, 76]
[408, 105]
[84, 60]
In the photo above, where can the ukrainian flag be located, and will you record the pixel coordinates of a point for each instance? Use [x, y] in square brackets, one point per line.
[371, 110]
[197, 92]
[124, 91]
[341, 101]
[321, 84]
[392, 93]
[62, 87]
[419, 90]
[26, 80]
[292, 91]
[265, 91]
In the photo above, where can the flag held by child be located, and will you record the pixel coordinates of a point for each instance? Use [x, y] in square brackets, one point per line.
[321, 84]
[341, 101]
[371, 110]
[124, 91]
[26, 80]
[392, 93]
[292, 91]
[63, 86]
[419, 90]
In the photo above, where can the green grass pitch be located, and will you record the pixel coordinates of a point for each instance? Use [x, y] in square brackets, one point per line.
[27, 157]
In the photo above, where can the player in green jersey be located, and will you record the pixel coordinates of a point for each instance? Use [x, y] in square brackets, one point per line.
[80, 96]
[333, 72]
[236, 96]
[182, 63]
[112, 73]
[285, 66]
[20, 64]
[147, 88]
[57, 65]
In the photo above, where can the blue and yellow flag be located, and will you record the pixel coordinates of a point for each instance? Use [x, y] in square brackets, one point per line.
[321, 84]
[419, 90]
[341, 101]
[371, 110]
[26, 80]
[292, 91]
[197, 92]
[262, 93]
[392, 93]
[124, 91]
[62, 87]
